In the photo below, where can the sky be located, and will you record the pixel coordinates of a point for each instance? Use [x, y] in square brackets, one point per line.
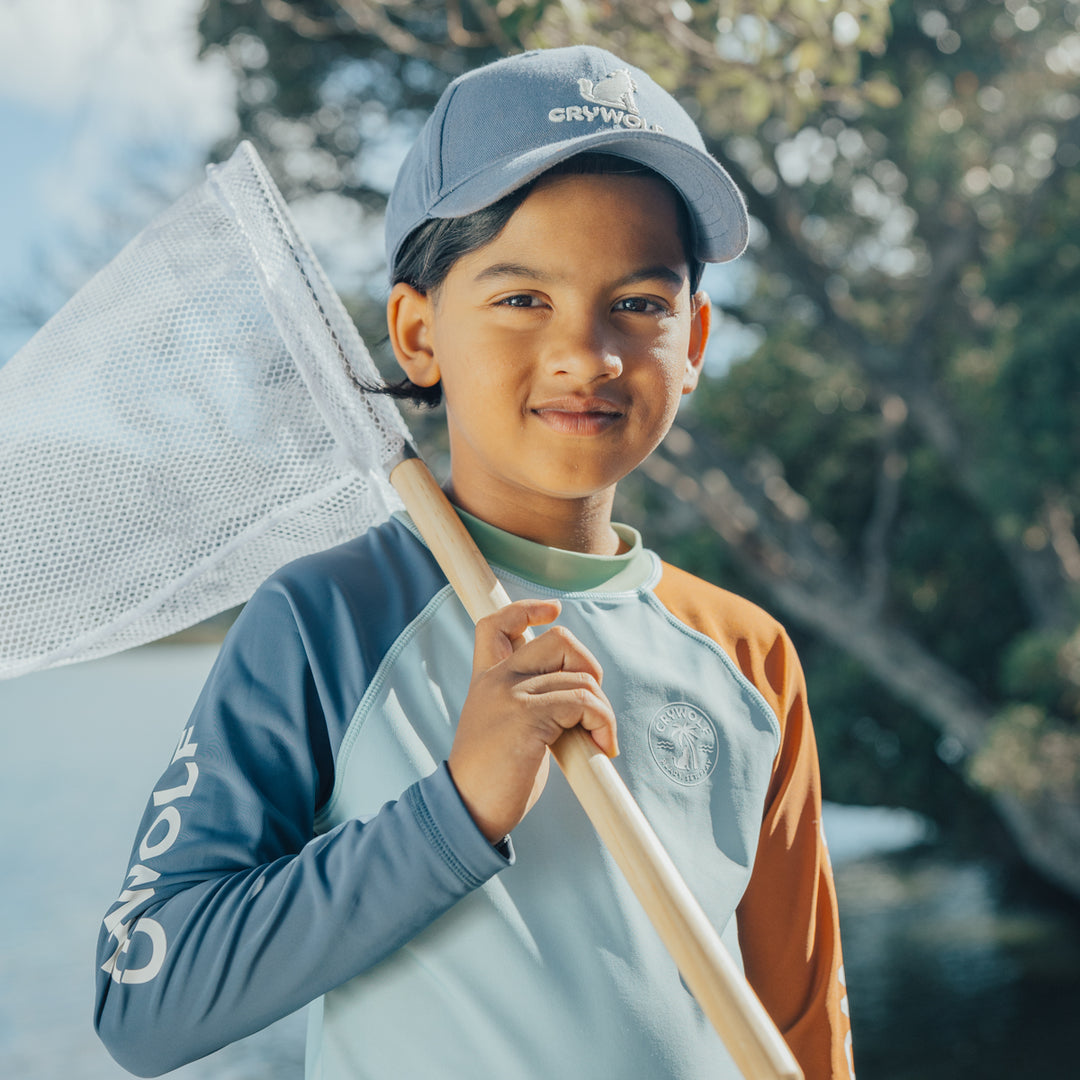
[93, 95]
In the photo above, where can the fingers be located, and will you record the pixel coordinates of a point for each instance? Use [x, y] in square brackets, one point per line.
[499, 634]
[555, 670]
[556, 651]
[570, 699]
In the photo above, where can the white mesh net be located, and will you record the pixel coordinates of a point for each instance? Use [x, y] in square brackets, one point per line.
[183, 426]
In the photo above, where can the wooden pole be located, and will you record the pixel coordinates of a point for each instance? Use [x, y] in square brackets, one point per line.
[714, 979]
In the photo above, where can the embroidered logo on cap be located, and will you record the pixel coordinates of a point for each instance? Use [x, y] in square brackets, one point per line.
[683, 741]
[615, 89]
[611, 102]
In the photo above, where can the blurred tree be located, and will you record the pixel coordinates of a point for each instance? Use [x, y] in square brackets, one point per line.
[886, 442]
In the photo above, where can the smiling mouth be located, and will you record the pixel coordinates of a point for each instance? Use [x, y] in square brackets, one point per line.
[578, 416]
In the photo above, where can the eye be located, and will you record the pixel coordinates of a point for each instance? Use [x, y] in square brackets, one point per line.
[640, 305]
[519, 300]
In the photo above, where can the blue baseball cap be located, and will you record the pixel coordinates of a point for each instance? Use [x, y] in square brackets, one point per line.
[502, 125]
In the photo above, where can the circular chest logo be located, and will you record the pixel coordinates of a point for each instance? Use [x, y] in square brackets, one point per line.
[683, 742]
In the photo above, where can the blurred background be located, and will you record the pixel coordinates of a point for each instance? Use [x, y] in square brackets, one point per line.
[885, 453]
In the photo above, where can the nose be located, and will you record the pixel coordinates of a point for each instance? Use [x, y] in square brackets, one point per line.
[581, 348]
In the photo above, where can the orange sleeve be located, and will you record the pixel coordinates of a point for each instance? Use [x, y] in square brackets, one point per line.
[789, 932]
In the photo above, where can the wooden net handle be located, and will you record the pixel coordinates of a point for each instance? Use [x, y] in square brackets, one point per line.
[714, 979]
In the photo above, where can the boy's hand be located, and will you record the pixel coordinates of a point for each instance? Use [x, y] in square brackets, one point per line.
[519, 703]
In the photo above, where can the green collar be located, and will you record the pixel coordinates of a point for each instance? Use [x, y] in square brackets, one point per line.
[563, 571]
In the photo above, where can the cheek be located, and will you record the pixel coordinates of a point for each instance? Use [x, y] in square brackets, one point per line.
[481, 396]
[665, 389]
[667, 367]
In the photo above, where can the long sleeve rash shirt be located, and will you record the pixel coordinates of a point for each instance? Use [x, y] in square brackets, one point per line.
[306, 843]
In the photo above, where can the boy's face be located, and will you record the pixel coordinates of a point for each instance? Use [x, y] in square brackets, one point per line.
[563, 347]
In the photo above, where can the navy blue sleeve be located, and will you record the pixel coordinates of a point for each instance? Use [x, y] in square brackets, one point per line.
[233, 912]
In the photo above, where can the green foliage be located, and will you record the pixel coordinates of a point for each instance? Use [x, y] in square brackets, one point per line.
[812, 415]
[951, 582]
[1029, 754]
[1042, 668]
[1035, 396]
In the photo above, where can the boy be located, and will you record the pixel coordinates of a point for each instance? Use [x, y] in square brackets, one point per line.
[335, 825]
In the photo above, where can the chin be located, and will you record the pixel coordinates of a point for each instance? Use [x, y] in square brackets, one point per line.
[576, 491]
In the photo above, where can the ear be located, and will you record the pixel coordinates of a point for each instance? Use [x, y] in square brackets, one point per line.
[409, 320]
[700, 321]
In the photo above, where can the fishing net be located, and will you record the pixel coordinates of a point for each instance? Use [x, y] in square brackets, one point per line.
[186, 424]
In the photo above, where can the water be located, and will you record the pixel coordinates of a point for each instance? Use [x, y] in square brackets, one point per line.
[950, 972]
[954, 971]
[83, 746]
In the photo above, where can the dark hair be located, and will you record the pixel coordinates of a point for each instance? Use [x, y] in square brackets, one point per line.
[430, 251]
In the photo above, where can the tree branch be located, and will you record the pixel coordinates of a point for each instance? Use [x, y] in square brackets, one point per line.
[891, 469]
[303, 24]
[495, 35]
[370, 18]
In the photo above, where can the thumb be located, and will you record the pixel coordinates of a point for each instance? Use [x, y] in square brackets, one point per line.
[499, 634]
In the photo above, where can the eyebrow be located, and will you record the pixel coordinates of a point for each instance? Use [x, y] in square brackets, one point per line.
[647, 273]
